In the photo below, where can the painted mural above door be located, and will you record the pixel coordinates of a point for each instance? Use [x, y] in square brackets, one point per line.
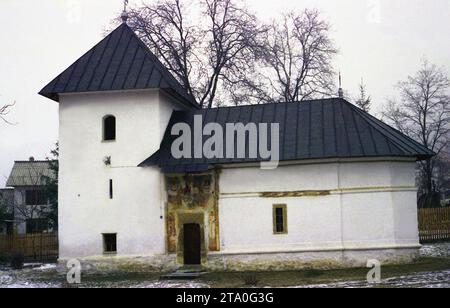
[189, 194]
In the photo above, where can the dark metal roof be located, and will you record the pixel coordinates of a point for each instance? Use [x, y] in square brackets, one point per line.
[319, 129]
[121, 61]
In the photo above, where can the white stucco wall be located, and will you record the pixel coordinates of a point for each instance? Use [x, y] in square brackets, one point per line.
[371, 205]
[85, 210]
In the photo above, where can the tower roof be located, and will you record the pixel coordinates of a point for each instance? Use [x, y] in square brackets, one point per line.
[121, 61]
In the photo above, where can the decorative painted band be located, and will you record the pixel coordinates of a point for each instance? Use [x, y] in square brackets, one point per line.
[317, 193]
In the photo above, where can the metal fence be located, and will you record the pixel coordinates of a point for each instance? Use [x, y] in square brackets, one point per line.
[41, 247]
[434, 224]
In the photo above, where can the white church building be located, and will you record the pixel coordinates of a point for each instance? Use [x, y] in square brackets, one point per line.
[343, 192]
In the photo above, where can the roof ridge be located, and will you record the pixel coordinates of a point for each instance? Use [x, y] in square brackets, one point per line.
[278, 103]
[159, 65]
[74, 64]
[34, 161]
[378, 126]
[105, 53]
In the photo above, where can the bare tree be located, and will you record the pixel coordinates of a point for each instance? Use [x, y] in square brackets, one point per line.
[442, 174]
[51, 187]
[206, 56]
[4, 111]
[364, 100]
[162, 26]
[423, 113]
[6, 207]
[297, 59]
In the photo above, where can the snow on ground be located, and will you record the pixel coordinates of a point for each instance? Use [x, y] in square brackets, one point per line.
[45, 267]
[418, 280]
[45, 276]
[24, 278]
[171, 284]
[440, 250]
[5, 279]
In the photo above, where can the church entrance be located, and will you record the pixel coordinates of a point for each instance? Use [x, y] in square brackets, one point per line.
[192, 244]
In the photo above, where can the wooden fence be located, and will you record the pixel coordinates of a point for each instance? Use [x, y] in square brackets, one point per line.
[34, 247]
[434, 224]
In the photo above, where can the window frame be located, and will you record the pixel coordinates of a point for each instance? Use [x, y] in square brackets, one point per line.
[34, 197]
[283, 207]
[104, 237]
[105, 118]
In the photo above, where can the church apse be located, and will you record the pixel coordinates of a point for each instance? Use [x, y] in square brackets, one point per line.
[192, 199]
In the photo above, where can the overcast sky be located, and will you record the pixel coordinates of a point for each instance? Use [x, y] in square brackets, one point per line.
[380, 40]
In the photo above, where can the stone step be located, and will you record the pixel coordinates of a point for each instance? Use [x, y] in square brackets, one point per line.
[183, 274]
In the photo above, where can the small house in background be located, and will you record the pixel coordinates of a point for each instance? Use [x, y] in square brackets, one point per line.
[6, 211]
[30, 203]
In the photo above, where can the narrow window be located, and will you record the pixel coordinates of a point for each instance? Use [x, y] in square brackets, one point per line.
[30, 197]
[110, 243]
[109, 128]
[111, 192]
[280, 219]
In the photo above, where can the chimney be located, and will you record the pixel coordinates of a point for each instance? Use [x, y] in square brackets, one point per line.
[31, 158]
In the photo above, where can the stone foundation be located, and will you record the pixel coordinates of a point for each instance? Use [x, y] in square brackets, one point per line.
[116, 264]
[251, 262]
[308, 260]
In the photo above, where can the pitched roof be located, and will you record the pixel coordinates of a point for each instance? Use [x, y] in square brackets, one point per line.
[318, 129]
[121, 61]
[29, 173]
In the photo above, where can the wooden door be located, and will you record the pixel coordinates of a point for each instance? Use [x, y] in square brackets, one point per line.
[192, 244]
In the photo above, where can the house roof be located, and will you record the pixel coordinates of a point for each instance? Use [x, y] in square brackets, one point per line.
[121, 61]
[29, 173]
[317, 129]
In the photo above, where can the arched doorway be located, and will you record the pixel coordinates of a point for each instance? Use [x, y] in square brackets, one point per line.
[192, 244]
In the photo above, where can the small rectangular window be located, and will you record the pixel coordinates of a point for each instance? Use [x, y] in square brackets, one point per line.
[111, 192]
[110, 243]
[280, 219]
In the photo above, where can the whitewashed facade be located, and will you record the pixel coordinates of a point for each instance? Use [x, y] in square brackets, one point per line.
[339, 209]
[371, 206]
